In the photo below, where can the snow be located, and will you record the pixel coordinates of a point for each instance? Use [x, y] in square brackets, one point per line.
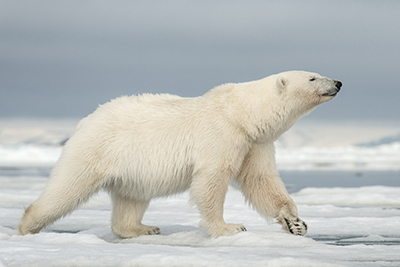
[348, 226]
[381, 157]
[362, 196]
[364, 231]
[25, 156]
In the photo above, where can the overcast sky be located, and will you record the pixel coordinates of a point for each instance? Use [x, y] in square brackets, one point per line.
[64, 58]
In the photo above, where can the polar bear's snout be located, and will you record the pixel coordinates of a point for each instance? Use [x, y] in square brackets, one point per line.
[333, 90]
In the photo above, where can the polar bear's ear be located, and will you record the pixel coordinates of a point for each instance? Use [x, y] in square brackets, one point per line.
[281, 83]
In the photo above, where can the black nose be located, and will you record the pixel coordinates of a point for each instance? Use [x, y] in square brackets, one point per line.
[338, 84]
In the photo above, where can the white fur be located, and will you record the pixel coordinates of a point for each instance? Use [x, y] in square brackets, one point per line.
[149, 146]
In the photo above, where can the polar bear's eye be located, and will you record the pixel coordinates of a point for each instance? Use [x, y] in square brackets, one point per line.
[312, 79]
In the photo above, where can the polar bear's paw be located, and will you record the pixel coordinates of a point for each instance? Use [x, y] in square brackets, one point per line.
[136, 231]
[295, 226]
[151, 230]
[226, 230]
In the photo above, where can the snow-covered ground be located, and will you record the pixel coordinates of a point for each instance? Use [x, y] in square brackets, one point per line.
[347, 227]
[357, 226]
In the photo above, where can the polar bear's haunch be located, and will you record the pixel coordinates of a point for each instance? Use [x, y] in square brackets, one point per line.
[149, 146]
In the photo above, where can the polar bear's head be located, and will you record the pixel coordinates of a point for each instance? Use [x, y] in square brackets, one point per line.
[273, 104]
[307, 87]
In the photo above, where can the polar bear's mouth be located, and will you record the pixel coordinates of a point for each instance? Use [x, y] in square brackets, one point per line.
[332, 94]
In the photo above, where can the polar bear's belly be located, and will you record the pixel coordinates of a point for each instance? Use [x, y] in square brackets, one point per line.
[145, 186]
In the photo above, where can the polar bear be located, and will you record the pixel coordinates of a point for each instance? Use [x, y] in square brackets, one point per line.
[150, 146]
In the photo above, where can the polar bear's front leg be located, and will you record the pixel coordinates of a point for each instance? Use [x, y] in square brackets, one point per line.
[208, 192]
[273, 201]
[264, 190]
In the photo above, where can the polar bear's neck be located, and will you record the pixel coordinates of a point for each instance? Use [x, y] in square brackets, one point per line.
[263, 115]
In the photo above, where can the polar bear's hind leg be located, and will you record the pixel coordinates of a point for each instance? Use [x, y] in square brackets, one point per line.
[127, 214]
[61, 197]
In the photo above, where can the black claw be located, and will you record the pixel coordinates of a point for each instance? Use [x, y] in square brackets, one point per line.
[153, 231]
[243, 229]
[287, 221]
[288, 225]
[305, 225]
